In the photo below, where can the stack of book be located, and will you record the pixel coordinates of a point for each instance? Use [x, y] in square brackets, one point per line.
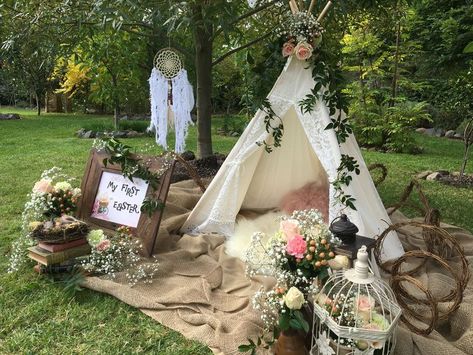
[49, 255]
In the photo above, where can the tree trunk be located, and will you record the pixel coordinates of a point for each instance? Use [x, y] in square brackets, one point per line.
[38, 103]
[203, 65]
[396, 62]
[116, 103]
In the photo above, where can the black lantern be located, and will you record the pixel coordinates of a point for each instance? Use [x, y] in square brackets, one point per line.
[343, 229]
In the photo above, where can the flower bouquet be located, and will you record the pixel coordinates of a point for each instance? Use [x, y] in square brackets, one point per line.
[304, 35]
[297, 255]
[116, 253]
[52, 197]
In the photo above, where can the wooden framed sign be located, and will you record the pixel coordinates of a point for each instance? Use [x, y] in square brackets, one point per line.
[110, 200]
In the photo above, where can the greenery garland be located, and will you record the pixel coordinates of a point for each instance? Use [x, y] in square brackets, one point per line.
[329, 84]
[132, 167]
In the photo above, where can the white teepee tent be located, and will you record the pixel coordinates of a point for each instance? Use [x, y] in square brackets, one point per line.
[253, 179]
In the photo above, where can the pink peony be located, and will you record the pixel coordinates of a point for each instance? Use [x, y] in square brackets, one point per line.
[364, 303]
[303, 50]
[296, 246]
[43, 186]
[103, 245]
[290, 228]
[288, 49]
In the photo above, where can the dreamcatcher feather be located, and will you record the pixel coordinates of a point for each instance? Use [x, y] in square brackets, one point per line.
[172, 99]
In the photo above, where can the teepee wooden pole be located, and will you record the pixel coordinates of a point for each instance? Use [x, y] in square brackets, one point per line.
[327, 7]
[311, 6]
[296, 9]
[291, 5]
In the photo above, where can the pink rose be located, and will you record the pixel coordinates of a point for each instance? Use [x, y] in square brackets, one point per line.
[364, 303]
[290, 228]
[296, 246]
[43, 186]
[103, 245]
[303, 50]
[287, 49]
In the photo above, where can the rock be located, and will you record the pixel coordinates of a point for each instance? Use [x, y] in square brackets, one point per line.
[132, 134]
[434, 132]
[119, 134]
[437, 175]
[235, 134]
[423, 175]
[443, 172]
[9, 116]
[80, 132]
[420, 130]
[188, 155]
[458, 136]
[88, 134]
[439, 132]
[450, 133]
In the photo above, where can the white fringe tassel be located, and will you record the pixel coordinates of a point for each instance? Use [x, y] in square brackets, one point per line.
[183, 103]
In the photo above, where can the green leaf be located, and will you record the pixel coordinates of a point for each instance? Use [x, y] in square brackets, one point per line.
[469, 48]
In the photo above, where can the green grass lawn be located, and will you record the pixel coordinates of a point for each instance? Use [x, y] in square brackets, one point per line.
[37, 317]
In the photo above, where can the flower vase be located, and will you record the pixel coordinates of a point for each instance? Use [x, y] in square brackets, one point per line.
[291, 342]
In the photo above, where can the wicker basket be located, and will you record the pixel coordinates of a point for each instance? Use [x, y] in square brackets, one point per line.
[60, 230]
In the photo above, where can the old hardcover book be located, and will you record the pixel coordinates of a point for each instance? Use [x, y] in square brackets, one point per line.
[47, 258]
[63, 246]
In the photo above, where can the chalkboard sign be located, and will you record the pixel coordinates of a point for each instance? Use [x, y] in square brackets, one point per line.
[110, 200]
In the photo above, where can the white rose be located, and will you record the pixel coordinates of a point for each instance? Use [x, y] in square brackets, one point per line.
[62, 185]
[339, 262]
[294, 298]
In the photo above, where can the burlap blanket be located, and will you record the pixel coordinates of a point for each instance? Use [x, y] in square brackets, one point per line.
[204, 294]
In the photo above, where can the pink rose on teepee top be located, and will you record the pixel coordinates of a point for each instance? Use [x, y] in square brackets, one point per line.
[290, 227]
[296, 246]
[43, 186]
[303, 50]
[287, 49]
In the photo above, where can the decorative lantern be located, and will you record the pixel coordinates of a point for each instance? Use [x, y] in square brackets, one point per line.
[355, 313]
[344, 229]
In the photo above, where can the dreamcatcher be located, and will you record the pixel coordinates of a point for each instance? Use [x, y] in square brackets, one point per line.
[172, 99]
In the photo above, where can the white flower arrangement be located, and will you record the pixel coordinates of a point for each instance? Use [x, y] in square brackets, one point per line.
[52, 196]
[118, 253]
[303, 33]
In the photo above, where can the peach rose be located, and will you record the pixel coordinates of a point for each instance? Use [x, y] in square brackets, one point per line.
[43, 186]
[287, 49]
[103, 245]
[289, 227]
[303, 51]
[364, 303]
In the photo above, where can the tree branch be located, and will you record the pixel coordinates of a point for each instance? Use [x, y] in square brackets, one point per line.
[249, 44]
[246, 15]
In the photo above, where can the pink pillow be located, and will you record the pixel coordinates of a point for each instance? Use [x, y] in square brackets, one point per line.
[311, 195]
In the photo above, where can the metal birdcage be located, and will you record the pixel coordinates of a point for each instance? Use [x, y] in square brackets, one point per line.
[355, 313]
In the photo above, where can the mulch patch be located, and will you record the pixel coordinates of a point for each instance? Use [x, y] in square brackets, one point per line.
[457, 181]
